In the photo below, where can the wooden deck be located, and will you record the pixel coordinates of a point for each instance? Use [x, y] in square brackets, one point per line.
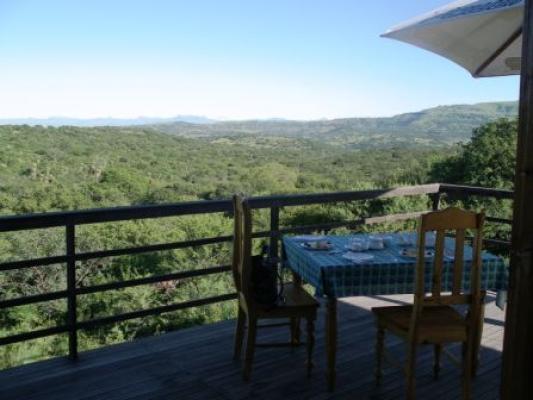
[197, 363]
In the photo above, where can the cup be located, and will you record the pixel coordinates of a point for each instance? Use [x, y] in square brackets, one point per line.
[322, 244]
[388, 241]
[358, 245]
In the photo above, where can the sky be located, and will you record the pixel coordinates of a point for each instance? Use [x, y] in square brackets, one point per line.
[224, 59]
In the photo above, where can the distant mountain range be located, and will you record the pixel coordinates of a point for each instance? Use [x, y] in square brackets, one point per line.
[66, 121]
[441, 125]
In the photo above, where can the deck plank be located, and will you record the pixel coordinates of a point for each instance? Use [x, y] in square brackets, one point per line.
[196, 363]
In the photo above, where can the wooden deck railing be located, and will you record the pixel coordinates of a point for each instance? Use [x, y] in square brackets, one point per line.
[72, 219]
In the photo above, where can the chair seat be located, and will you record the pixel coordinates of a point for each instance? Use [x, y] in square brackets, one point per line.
[297, 303]
[438, 324]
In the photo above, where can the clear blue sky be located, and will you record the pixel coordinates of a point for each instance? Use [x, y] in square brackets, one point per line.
[300, 59]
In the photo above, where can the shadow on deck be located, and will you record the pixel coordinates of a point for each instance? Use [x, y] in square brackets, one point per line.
[197, 363]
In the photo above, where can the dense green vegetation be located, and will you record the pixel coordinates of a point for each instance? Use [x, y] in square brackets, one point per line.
[488, 159]
[43, 169]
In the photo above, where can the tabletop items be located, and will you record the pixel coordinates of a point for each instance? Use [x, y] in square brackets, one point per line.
[406, 242]
[350, 268]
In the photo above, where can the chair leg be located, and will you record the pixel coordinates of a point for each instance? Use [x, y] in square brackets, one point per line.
[239, 334]
[436, 361]
[477, 341]
[410, 373]
[250, 348]
[310, 344]
[467, 369]
[380, 344]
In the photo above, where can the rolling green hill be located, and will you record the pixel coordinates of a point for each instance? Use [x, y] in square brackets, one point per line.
[437, 126]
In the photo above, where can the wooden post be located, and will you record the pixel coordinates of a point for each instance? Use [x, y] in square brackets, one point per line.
[435, 201]
[518, 340]
[274, 232]
[71, 289]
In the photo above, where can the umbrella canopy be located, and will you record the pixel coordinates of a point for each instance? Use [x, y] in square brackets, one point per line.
[483, 36]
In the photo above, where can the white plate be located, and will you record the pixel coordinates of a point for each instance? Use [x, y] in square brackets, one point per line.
[358, 257]
[413, 253]
[309, 238]
[355, 249]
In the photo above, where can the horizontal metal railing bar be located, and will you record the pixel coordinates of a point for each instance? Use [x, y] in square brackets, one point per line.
[341, 224]
[156, 310]
[391, 218]
[34, 262]
[153, 279]
[151, 248]
[499, 220]
[498, 242]
[23, 337]
[37, 298]
[100, 215]
[320, 198]
[55, 219]
[465, 190]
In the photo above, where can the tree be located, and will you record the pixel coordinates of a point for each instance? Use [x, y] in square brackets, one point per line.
[487, 160]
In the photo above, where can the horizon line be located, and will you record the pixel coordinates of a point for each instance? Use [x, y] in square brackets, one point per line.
[177, 117]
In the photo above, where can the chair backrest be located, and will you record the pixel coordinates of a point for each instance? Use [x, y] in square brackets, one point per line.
[449, 221]
[242, 247]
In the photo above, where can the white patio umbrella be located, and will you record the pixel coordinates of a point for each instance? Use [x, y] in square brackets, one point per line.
[483, 36]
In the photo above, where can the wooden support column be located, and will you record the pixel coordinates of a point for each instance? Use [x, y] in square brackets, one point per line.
[518, 341]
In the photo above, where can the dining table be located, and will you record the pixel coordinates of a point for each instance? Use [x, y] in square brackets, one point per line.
[336, 271]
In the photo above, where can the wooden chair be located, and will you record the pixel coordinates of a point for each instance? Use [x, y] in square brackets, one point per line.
[432, 319]
[297, 304]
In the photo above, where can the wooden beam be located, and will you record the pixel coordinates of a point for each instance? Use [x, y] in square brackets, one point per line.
[518, 340]
[322, 198]
[467, 191]
[111, 214]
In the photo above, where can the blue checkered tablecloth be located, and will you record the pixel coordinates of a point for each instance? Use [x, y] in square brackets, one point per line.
[387, 273]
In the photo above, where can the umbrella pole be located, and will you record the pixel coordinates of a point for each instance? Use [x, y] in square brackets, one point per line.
[518, 339]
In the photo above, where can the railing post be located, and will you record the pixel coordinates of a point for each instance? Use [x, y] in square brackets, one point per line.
[436, 201]
[274, 231]
[71, 289]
